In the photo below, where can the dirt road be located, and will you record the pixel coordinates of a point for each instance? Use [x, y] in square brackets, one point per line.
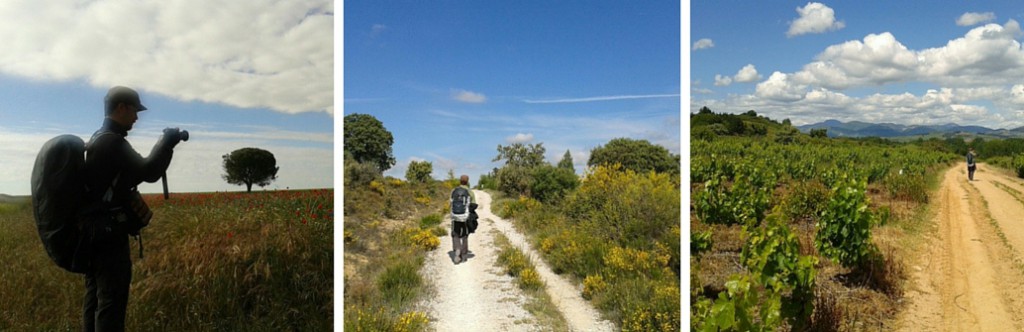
[969, 276]
[477, 296]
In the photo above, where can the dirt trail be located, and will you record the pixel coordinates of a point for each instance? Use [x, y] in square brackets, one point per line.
[966, 278]
[476, 295]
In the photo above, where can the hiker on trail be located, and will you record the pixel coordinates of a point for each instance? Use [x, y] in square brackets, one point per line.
[112, 171]
[461, 199]
[970, 164]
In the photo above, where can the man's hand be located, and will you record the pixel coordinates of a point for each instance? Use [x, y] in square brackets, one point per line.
[172, 136]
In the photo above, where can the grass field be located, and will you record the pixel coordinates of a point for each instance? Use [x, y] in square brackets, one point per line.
[213, 262]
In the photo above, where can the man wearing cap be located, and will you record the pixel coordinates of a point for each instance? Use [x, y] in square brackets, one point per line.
[112, 171]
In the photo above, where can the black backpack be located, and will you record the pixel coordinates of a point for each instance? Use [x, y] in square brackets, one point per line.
[58, 195]
[460, 204]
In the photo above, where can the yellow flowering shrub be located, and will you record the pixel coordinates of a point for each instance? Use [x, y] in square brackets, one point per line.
[593, 284]
[424, 238]
[377, 186]
[412, 321]
[530, 279]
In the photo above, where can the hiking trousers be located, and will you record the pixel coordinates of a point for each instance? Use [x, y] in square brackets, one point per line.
[460, 239]
[106, 287]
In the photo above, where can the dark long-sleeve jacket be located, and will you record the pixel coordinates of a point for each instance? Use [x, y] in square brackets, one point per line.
[109, 155]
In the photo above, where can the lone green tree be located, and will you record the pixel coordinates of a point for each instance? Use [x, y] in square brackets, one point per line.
[638, 155]
[419, 171]
[368, 141]
[250, 166]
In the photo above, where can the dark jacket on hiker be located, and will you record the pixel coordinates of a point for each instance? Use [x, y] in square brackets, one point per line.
[112, 171]
[109, 156]
[461, 229]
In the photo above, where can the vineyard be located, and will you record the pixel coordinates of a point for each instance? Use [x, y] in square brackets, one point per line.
[807, 235]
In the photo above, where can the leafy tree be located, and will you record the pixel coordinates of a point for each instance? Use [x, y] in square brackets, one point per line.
[515, 176]
[552, 183]
[566, 162]
[638, 155]
[786, 122]
[419, 171]
[704, 110]
[368, 141]
[250, 166]
[819, 133]
[521, 155]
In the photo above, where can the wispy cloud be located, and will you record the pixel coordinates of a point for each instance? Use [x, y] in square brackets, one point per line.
[599, 98]
[519, 138]
[703, 43]
[969, 19]
[468, 96]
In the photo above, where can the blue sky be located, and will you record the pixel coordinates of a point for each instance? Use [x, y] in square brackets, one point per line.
[453, 80]
[252, 73]
[909, 62]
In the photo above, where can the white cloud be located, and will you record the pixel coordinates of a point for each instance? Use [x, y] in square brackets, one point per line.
[969, 19]
[814, 18]
[779, 87]
[879, 59]
[519, 138]
[722, 80]
[248, 54]
[703, 43]
[747, 74]
[468, 96]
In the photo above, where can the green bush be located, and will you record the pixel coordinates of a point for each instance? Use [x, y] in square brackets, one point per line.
[1018, 165]
[419, 171]
[625, 207]
[844, 230]
[772, 254]
[430, 220]
[400, 282]
[551, 183]
[360, 174]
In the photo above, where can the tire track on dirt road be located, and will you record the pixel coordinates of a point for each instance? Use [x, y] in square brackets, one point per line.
[965, 280]
[476, 295]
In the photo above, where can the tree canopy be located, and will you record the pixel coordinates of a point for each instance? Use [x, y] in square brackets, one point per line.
[638, 155]
[368, 141]
[250, 166]
[419, 171]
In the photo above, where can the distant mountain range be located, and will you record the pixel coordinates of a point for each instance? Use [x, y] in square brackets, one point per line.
[865, 129]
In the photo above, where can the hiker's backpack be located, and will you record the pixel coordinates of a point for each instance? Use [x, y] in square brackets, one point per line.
[460, 204]
[58, 193]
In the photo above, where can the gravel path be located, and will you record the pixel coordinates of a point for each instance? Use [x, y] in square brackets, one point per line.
[476, 295]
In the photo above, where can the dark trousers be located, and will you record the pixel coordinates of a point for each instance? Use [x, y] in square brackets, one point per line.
[970, 172]
[106, 287]
[460, 238]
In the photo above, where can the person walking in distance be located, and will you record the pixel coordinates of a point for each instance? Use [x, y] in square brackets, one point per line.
[112, 171]
[461, 199]
[970, 164]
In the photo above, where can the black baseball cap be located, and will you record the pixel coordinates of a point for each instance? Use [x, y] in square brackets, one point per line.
[120, 94]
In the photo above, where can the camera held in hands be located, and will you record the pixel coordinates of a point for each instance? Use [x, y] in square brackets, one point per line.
[181, 135]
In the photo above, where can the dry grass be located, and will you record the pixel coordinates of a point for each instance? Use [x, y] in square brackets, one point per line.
[226, 262]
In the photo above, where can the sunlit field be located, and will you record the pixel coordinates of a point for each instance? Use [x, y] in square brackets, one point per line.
[212, 261]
